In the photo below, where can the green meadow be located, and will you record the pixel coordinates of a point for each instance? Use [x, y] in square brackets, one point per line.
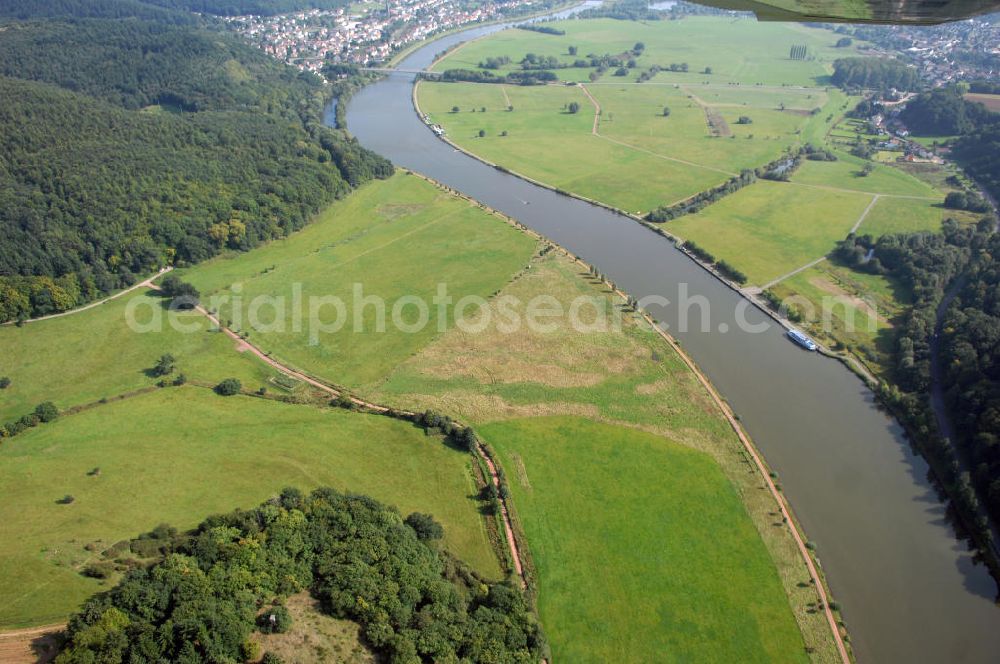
[845, 173]
[700, 144]
[741, 51]
[634, 537]
[624, 398]
[401, 237]
[770, 228]
[180, 454]
[93, 354]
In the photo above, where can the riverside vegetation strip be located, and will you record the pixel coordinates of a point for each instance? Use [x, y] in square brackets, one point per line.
[662, 398]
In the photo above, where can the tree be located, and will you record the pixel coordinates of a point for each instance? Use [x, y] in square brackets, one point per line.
[744, 120]
[4, 382]
[621, 71]
[666, 111]
[503, 133]
[707, 70]
[164, 366]
[638, 48]
[229, 387]
[574, 107]
[572, 50]
[482, 133]
[867, 169]
[844, 42]
[956, 200]
[183, 295]
[482, 109]
[426, 527]
[454, 109]
[46, 411]
[275, 620]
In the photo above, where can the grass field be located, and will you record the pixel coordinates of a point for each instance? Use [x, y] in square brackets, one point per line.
[901, 215]
[402, 237]
[622, 376]
[770, 228]
[653, 582]
[84, 357]
[180, 454]
[546, 143]
[738, 51]
[845, 174]
[672, 157]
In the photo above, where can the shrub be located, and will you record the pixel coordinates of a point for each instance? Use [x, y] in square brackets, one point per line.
[271, 658]
[164, 365]
[4, 382]
[46, 411]
[250, 651]
[276, 620]
[574, 107]
[426, 527]
[229, 387]
[66, 500]
[99, 570]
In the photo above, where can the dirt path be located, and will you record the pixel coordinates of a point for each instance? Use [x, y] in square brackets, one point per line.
[793, 272]
[243, 346]
[506, 98]
[854, 228]
[30, 645]
[597, 110]
[142, 284]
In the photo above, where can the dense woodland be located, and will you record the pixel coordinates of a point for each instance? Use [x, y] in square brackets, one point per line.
[129, 144]
[964, 262]
[944, 112]
[874, 73]
[361, 559]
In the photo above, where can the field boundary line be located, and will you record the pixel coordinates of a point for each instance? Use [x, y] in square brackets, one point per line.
[662, 156]
[858, 191]
[793, 272]
[854, 228]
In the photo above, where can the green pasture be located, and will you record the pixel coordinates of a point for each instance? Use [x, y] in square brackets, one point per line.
[845, 173]
[96, 353]
[180, 454]
[770, 228]
[738, 51]
[643, 549]
[390, 240]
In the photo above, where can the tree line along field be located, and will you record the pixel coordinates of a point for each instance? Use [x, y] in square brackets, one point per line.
[180, 453]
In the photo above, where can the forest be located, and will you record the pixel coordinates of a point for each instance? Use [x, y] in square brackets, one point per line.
[214, 586]
[944, 112]
[128, 145]
[874, 73]
[963, 262]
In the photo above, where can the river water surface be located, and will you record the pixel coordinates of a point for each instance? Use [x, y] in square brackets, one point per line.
[910, 591]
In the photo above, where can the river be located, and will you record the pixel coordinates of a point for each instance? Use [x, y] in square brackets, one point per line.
[910, 592]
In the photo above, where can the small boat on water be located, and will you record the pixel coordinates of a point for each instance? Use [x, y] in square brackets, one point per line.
[802, 340]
